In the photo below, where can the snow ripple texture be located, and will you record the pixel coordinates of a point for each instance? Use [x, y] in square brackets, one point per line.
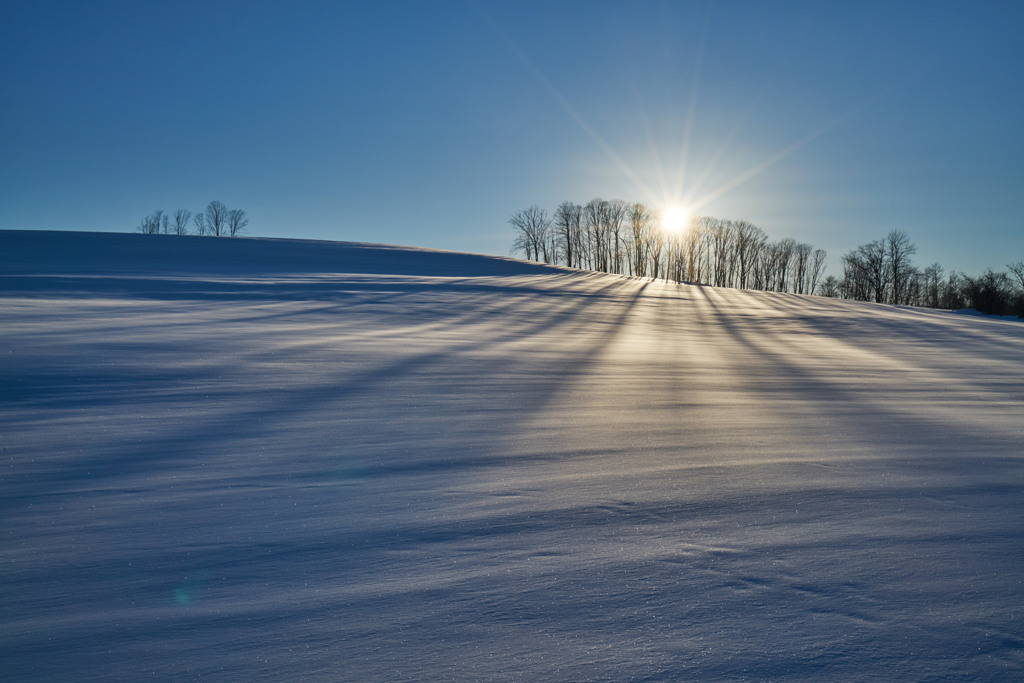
[259, 459]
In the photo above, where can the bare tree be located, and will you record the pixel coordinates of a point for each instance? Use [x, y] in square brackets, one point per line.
[567, 228]
[236, 222]
[655, 251]
[181, 220]
[817, 269]
[694, 249]
[801, 268]
[199, 220]
[749, 240]
[531, 226]
[916, 289]
[881, 271]
[616, 216]
[990, 293]
[866, 272]
[932, 294]
[719, 241]
[1018, 272]
[639, 218]
[676, 244]
[952, 296]
[151, 224]
[552, 248]
[1018, 297]
[784, 262]
[899, 249]
[594, 224]
[216, 218]
[830, 286]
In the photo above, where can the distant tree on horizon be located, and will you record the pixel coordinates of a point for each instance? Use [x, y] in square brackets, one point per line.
[864, 273]
[566, 222]
[532, 226]
[901, 271]
[830, 287]
[991, 293]
[153, 224]
[181, 220]
[640, 220]
[1018, 298]
[216, 220]
[1018, 272]
[236, 221]
[199, 220]
[882, 271]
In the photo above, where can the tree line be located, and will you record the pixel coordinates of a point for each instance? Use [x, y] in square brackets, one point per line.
[216, 220]
[613, 236]
[882, 271]
[627, 238]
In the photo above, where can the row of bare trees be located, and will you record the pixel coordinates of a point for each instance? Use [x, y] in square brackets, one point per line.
[882, 271]
[627, 238]
[995, 293]
[216, 220]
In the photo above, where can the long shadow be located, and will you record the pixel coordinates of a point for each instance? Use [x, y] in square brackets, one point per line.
[836, 401]
[568, 313]
[481, 359]
[883, 329]
[42, 389]
[907, 319]
[260, 288]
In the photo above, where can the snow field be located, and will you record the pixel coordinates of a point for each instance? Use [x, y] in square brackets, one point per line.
[280, 460]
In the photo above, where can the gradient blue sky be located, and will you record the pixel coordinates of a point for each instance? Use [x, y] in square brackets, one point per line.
[430, 123]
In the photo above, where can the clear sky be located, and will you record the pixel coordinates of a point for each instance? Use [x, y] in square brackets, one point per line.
[430, 123]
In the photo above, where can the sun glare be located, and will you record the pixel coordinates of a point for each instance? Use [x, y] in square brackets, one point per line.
[674, 218]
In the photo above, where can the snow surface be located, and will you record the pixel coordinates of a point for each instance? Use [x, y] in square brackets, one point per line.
[260, 459]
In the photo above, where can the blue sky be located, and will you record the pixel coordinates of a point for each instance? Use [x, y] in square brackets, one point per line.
[430, 123]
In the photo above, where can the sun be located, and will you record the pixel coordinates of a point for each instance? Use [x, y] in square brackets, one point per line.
[674, 219]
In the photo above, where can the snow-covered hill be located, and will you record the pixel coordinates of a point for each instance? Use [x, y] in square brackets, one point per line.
[279, 460]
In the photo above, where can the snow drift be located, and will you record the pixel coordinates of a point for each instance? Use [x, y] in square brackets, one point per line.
[260, 459]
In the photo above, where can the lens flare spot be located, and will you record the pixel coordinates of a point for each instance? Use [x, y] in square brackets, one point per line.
[183, 596]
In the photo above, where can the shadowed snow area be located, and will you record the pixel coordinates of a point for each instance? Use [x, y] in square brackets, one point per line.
[260, 459]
